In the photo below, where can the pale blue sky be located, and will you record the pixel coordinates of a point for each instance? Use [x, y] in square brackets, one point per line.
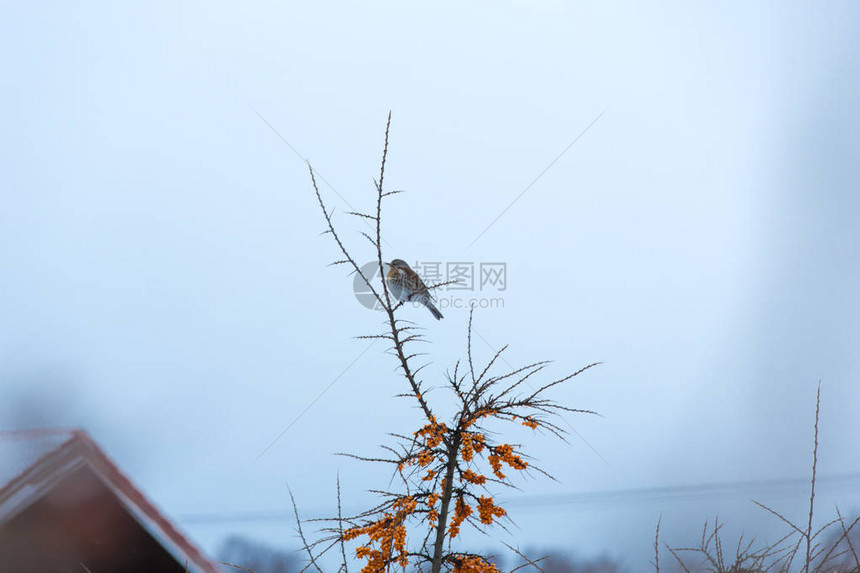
[163, 283]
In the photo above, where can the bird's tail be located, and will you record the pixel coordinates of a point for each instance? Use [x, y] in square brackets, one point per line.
[434, 311]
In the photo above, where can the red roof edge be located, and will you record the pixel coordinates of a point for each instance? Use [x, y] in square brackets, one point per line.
[13, 484]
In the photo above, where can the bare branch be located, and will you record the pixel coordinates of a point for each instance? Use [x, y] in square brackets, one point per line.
[307, 547]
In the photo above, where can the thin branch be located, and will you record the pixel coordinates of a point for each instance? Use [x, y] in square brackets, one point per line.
[812, 483]
[307, 547]
[340, 528]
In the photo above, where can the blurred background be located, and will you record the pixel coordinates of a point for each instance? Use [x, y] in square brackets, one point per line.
[164, 284]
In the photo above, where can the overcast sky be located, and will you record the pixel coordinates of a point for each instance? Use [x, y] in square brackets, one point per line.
[163, 281]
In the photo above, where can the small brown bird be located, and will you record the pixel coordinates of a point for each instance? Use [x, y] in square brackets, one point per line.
[406, 286]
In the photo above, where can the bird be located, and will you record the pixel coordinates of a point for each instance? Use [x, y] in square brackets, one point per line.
[406, 286]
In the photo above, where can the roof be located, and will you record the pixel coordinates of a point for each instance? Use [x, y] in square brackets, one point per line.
[22, 448]
[34, 463]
